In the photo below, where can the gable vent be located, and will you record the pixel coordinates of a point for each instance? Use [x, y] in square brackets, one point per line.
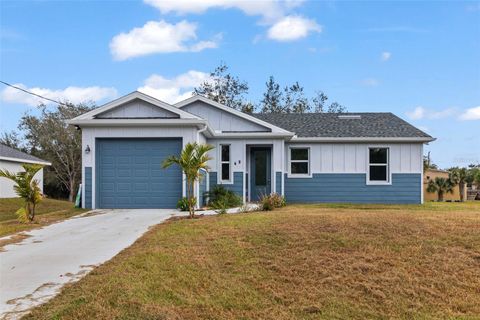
[349, 116]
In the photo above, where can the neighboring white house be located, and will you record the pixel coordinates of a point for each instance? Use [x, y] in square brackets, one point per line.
[12, 160]
[312, 157]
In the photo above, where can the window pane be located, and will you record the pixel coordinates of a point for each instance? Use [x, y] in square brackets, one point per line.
[299, 154]
[299, 167]
[225, 153]
[225, 171]
[378, 173]
[378, 155]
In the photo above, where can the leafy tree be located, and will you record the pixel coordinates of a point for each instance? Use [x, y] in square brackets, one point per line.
[440, 186]
[336, 107]
[51, 138]
[319, 101]
[224, 88]
[272, 98]
[248, 107]
[295, 101]
[192, 158]
[12, 140]
[428, 164]
[459, 176]
[26, 187]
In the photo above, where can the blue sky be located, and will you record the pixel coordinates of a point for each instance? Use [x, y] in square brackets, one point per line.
[419, 60]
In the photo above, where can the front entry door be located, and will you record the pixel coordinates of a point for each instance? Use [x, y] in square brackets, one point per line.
[260, 166]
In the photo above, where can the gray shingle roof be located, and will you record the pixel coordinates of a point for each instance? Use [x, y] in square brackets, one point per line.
[376, 125]
[8, 152]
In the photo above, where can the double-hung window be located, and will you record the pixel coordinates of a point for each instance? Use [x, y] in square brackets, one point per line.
[378, 167]
[225, 162]
[300, 161]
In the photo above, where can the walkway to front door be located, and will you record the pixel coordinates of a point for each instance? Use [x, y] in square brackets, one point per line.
[260, 167]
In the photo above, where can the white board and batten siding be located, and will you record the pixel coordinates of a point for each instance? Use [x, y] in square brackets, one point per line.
[353, 157]
[6, 185]
[137, 109]
[221, 120]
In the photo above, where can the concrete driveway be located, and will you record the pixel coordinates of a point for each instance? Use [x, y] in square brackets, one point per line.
[33, 271]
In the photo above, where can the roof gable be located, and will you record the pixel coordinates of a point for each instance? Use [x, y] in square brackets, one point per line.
[137, 108]
[135, 102]
[225, 117]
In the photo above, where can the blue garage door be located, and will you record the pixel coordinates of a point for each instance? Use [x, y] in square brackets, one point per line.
[129, 173]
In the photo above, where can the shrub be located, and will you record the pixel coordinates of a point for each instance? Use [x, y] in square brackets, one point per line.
[272, 201]
[183, 204]
[220, 197]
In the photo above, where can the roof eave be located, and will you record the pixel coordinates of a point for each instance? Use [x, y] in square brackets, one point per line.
[134, 122]
[363, 139]
[46, 163]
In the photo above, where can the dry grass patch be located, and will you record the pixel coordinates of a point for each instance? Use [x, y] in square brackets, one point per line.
[304, 262]
[47, 212]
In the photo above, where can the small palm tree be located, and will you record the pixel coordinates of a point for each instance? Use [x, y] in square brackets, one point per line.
[440, 186]
[460, 176]
[26, 187]
[192, 158]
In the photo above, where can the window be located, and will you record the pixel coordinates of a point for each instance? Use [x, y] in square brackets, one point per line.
[299, 161]
[378, 165]
[225, 162]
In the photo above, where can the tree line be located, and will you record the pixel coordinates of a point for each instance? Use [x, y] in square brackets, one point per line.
[228, 89]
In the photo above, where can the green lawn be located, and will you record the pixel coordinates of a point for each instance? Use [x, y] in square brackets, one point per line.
[299, 262]
[48, 211]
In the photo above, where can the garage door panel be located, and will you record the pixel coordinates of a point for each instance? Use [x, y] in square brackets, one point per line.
[129, 173]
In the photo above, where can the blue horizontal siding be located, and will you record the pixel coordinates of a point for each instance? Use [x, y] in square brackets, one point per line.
[278, 182]
[237, 185]
[88, 188]
[405, 188]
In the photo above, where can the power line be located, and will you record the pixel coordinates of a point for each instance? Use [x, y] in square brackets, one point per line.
[33, 94]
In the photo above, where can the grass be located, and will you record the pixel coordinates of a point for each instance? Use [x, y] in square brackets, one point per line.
[48, 211]
[298, 262]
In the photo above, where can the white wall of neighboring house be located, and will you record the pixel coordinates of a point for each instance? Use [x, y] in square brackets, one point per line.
[6, 185]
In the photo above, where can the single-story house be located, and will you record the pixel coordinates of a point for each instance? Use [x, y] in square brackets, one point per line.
[313, 157]
[12, 160]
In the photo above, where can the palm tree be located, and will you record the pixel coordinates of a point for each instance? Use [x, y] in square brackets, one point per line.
[459, 176]
[192, 158]
[26, 187]
[440, 186]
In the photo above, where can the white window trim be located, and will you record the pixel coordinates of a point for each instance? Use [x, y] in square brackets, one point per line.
[389, 171]
[298, 175]
[219, 178]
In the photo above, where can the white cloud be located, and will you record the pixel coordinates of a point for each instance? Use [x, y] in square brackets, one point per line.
[71, 94]
[422, 113]
[386, 56]
[370, 82]
[270, 10]
[174, 89]
[471, 114]
[292, 28]
[158, 37]
[417, 113]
